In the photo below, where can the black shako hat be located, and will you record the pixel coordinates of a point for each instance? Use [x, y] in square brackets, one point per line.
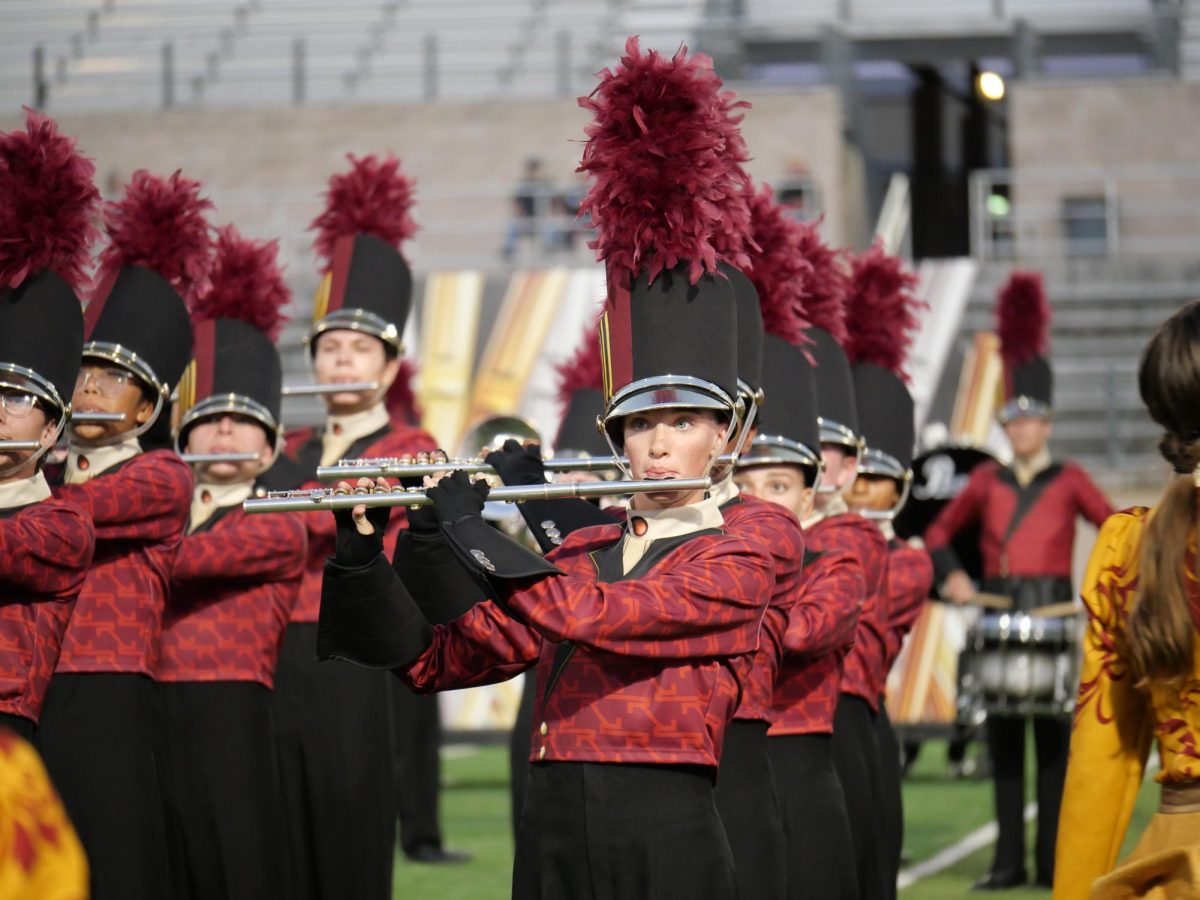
[749, 331]
[367, 288]
[836, 410]
[577, 432]
[41, 338]
[885, 411]
[788, 433]
[237, 370]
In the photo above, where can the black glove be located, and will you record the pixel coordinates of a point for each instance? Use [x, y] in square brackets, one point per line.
[456, 497]
[518, 464]
[353, 548]
[423, 520]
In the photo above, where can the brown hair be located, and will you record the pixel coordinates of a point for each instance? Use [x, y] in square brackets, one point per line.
[1160, 632]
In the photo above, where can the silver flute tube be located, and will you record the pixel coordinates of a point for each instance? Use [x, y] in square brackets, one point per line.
[327, 498]
[17, 446]
[219, 457]
[393, 467]
[97, 417]
[313, 390]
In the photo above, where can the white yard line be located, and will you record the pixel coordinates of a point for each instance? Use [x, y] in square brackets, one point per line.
[956, 852]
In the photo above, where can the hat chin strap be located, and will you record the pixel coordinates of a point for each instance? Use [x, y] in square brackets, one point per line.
[39, 453]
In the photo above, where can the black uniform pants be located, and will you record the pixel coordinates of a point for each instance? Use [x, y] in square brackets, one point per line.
[221, 791]
[97, 737]
[609, 831]
[519, 742]
[1006, 744]
[750, 811]
[891, 800]
[820, 854]
[417, 734]
[856, 758]
[18, 725]
[336, 769]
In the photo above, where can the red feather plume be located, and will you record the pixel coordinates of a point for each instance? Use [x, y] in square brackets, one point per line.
[781, 272]
[583, 369]
[1023, 318]
[881, 310]
[665, 154]
[48, 203]
[826, 287]
[160, 224]
[401, 400]
[374, 198]
[246, 283]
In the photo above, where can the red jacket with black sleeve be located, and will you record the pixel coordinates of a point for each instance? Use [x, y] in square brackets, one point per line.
[909, 580]
[1040, 542]
[140, 510]
[862, 540]
[45, 551]
[235, 581]
[821, 629]
[304, 446]
[644, 667]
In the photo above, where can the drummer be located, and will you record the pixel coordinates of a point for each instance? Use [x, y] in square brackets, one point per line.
[1026, 512]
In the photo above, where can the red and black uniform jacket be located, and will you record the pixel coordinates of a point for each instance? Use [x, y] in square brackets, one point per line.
[862, 540]
[140, 509]
[909, 581]
[821, 629]
[235, 582]
[1026, 533]
[643, 667]
[45, 551]
[304, 446]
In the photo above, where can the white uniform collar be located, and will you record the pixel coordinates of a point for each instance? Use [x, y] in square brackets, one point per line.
[24, 491]
[342, 431]
[84, 463]
[835, 507]
[1028, 469]
[725, 490]
[658, 524]
[208, 498]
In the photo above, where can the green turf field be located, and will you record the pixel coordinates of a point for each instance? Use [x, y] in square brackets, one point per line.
[938, 812]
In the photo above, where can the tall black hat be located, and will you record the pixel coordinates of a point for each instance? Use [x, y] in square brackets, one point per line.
[577, 432]
[1023, 325]
[836, 410]
[158, 255]
[45, 232]
[788, 433]
[367, 284]
[664, 153]
[749, 333]
[236, 367]
[885, 408]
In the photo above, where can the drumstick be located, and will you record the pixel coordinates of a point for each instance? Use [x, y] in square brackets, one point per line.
[992, 601]
[1055, 610]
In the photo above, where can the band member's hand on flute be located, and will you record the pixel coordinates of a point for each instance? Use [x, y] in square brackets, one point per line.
[958, 587]
[360, 531]
[518, 463]
[456, 497]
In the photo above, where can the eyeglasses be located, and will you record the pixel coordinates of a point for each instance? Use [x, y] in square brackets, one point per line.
[109, 382]
[17, 404]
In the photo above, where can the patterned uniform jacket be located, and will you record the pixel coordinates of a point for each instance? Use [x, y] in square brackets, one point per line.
[235, 581]
[304, 446]
[1024, 532]
[820, 631]
[1115, 721]
[865, 543]
[140, 510]
[639, 668]
[46, 549]
[909, 580]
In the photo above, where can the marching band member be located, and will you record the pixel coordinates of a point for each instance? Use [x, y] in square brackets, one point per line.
[234, 582]
[1027, 513]
[1141, 668]
[880, 319]
[98, 723]
[632, 627]
[46, 543]
[336, 758]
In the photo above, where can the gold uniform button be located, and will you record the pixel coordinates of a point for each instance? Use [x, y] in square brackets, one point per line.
[544, 729]
[542, 753]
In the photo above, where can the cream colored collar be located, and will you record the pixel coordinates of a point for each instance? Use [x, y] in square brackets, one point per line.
[1028, 469]
[208, 498]
[889, 531]
[24, 491]
[342, 431]
[666, 523]
[725, 490]
[84, 463]
[835, 507]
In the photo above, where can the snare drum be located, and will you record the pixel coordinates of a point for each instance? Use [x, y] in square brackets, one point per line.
[1016, 664]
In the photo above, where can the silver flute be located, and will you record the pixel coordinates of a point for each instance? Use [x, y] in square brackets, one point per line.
[219, 457]
[18, 446]
[399, 467]
[313, 390]
[88, 417]
[331, 498]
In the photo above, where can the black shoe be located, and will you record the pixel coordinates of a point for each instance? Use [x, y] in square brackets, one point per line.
[1042, 882]
[434, 855]
[1000, 881]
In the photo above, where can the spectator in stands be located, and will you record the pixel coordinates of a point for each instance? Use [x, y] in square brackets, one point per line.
[529, 205]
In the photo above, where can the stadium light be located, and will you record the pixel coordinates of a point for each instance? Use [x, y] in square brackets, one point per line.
[990, 86]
